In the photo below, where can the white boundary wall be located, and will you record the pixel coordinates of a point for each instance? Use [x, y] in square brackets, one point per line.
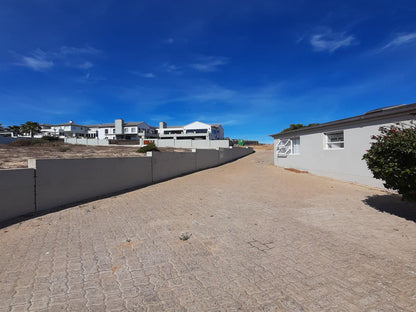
[86, 141]
[51, 183]
[191, 143]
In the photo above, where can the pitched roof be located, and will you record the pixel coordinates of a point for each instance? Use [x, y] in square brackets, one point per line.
[380, 113]
[108, 125]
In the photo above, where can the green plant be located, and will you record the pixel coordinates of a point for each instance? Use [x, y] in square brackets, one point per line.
[30, 127]
[22, 142]
[64, 149]
[148, 148]
[15, 129]
[392, 158]
[298, 126]
[50, 138]
[30, 142]
[184, 236]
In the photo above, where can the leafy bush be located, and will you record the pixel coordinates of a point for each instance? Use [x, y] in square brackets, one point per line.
[298, 126]
[24, 142]
[31, 142]
[50, 138]
[64, 149]
[148, 148]
[392, 158]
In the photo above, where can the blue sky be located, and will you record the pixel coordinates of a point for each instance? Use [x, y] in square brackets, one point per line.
[254, 66]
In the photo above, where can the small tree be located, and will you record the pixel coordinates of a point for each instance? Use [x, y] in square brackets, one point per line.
[14, 129]
[392, 158]
[30, 127]
[298, 126]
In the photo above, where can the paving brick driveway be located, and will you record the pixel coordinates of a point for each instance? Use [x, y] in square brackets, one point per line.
[263, 239]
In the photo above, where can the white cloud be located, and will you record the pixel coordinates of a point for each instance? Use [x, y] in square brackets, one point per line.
[330, 41]
[400, 40]
[85, 65]
[77, 51]
[148, 75]
[209, 63]
[171, 68]
[144, 75]
[38, 61]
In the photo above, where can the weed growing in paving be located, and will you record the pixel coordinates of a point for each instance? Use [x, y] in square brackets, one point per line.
[185, 236]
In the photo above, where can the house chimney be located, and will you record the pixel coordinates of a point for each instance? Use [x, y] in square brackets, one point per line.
[71, 121]
[162, 125]
[119, 123]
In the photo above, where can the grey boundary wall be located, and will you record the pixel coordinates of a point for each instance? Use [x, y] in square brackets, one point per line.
[64, 181]
[17, 193]
[51, 183]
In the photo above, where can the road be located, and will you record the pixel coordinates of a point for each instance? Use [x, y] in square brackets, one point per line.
[261, 239]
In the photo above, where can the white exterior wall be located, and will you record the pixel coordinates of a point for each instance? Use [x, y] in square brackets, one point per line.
[343, 164]
[219, 134]
[102, 135]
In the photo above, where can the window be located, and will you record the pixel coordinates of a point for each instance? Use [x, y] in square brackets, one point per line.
[334, 140]
[288, 147]
[126, 129]
[132, 129]
[295, 146]
[106, 131]
[114, 130]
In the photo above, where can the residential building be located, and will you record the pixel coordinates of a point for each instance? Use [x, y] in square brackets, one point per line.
[193, 131]
[120, 130]
[193, 135]
[335, 149]
[69, 129]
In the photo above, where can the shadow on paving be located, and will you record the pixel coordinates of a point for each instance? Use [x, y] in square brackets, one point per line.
[392, 204]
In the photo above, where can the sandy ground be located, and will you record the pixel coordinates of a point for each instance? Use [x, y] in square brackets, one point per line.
[262, 239]
[17, 156]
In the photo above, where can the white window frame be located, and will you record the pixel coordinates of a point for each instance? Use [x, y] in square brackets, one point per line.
[333, 145]
[292, 146]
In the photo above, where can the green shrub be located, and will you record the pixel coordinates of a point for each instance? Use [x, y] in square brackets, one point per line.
[392, 158]
[50, 138]
[64, 149]
[147, 148]
[24, 142]
[31, 142]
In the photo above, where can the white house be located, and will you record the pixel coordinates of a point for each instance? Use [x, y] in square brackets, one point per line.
[335, 149]
[69, 129]
[120, 130]
[193, 131]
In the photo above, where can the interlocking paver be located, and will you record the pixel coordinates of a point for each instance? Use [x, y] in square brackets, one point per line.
[263, 239]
